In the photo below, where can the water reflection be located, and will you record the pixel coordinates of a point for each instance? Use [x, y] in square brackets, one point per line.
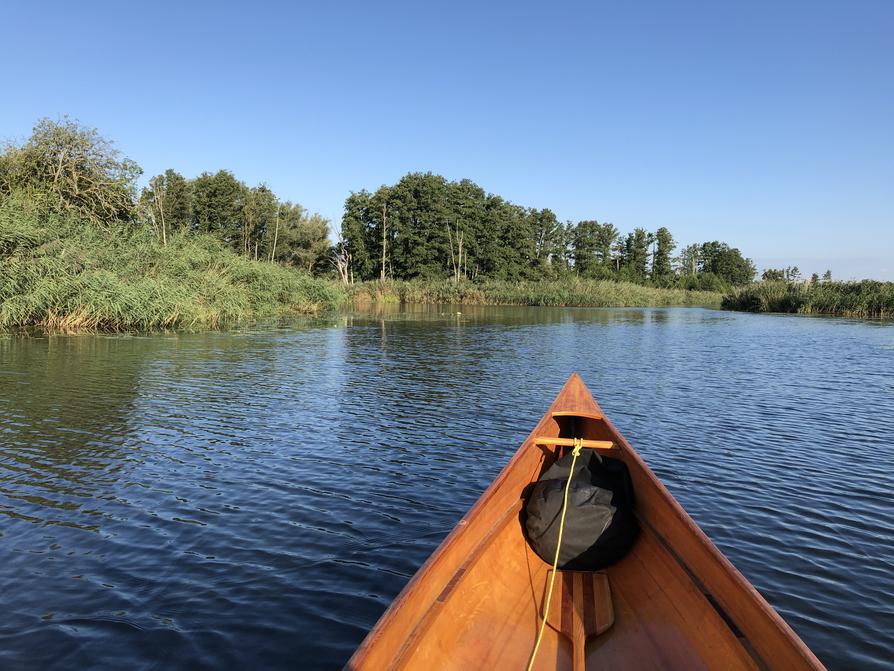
[236, 499]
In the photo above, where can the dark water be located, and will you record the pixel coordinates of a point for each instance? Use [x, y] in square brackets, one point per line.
[255, 499]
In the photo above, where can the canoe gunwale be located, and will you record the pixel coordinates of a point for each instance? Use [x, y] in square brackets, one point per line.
[758, 627]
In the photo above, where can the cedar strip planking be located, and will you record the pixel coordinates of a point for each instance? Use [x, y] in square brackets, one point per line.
[491, 586]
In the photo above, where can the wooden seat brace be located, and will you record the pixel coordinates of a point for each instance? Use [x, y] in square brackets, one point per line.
[548, 441]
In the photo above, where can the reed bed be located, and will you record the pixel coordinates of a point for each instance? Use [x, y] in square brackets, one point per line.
[864, 299]
[573, 292]
[61, 273]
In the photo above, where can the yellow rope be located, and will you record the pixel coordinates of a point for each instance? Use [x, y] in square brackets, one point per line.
[578, 444]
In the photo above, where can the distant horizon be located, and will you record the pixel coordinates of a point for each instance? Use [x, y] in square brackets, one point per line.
[767, 127]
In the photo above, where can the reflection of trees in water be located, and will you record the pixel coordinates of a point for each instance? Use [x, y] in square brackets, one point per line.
[500, 315]
[413, 357]
[64, 408]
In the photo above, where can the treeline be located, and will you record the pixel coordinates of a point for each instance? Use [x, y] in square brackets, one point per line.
[75, 170]
[250, 220]
[82, 247]
[793, 274]
[428, 227]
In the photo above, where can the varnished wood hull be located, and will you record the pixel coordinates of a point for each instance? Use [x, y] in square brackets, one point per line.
[677, 602]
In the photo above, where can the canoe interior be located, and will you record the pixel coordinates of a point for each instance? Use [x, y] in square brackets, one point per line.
[678, 603]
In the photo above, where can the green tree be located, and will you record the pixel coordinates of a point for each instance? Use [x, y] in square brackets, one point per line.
[606, 238]
[75, 168]
[827, 276]
[506, 252]
[547, 240]
[169, 199]
[419, 219]
[259, 212]
[466, 207]
[661, 259]
[773, 275]
[586, 247]
[357, 238]
[218, 207]
[727, 263]
[637, 253]
[564, 260]
[619, 253]
[691, 260]
[303, 240]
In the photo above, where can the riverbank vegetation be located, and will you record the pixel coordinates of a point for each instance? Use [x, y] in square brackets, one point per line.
[426, 227]
[80, 249]
[568, 292]
[60, 272]
[82, 246]
[865, 299]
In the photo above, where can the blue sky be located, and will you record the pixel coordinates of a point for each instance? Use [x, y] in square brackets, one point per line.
[766, 125]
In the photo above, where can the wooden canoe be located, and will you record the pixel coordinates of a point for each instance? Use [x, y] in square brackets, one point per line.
[673, 602]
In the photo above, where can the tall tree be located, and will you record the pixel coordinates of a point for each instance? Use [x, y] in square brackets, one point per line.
[661, 259]
[175, 193]
[586, 247]
[637, 252]
[691, 260]
[218, 206]
[606, 238]
[259, 214]
[547, 239]
[303, 239]
[359, 240]
[76, 168]
[727, 263]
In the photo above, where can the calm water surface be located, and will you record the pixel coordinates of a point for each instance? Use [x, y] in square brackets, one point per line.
[256, 498]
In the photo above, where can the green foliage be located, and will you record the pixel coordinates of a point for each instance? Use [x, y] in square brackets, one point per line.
[218, 202]
[302, 240]
[849, 299]
[727, 263]
[58, 271]
[71, 167]
[548, 242]
[788, 274]
[572, 292]
[661, 259]
[427, 224]
[251, 221]
[168, 201]
[505, 241]
[426, 227]
[636, 253]
[586, 247]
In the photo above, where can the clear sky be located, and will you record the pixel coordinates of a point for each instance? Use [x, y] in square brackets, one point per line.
[768, 125]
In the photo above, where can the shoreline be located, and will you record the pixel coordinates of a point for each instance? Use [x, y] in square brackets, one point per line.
[335, 297]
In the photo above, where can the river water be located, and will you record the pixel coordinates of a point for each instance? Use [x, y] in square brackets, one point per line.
[255, 498]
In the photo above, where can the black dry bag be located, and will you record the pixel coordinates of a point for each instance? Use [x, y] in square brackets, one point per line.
[599, 526]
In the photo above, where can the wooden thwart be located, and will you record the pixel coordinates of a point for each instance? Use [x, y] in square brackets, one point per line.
[581, 607]
[548, 441]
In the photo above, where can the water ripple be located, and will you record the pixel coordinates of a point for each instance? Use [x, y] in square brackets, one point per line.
[233, 500]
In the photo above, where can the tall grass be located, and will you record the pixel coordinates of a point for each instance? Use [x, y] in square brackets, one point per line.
[866, 299]
[560, 293]
[59, 272]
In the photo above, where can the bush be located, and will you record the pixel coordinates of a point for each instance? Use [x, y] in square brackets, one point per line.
[60, 272]
[568, 292]
[867, 298]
